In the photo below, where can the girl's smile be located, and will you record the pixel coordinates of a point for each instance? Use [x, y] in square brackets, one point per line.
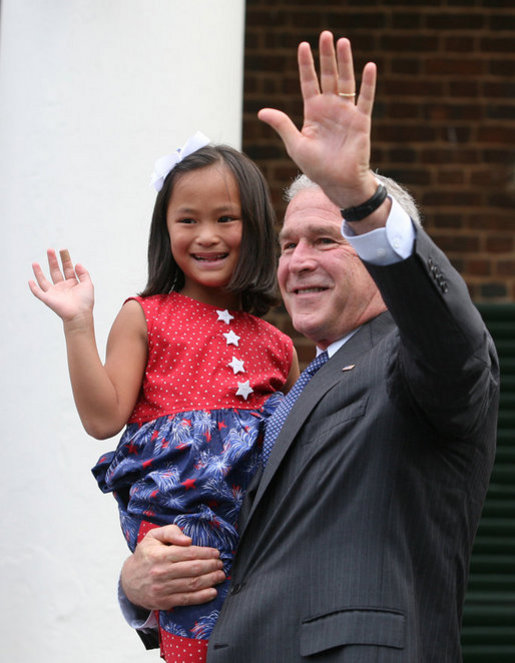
[205, 227]
[213, 258]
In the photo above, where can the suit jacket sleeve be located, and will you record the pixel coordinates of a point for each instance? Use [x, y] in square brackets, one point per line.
[444, 347]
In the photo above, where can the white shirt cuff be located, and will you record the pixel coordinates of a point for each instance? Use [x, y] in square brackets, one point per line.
[388, 245]
[139, 618]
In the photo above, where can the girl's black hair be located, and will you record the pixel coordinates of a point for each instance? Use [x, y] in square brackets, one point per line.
[254, 278]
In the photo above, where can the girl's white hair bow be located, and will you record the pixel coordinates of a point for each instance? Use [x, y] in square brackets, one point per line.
[167, 163]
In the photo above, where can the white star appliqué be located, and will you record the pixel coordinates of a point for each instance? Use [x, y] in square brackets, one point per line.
[244, 389]
[237, 365]
[225, 316]
[232, 338]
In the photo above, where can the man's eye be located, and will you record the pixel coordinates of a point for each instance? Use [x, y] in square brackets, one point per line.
[326, 240]
[287, 247]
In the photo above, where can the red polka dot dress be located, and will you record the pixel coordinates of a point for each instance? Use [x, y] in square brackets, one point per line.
[193, 441]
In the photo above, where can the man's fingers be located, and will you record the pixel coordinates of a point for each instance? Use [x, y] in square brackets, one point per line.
[309, 86]
[368, 88]
[164, 593]
[168, 544]
[176, 598]
[187, 580]
[191, 591]
[282, 124]
[346, 77]
[328, 67]
[199, 559]
[193, 598]
[170, 534]
[170, 569]
[169, 554]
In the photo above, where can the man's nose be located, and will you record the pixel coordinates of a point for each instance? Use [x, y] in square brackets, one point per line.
[302, 258]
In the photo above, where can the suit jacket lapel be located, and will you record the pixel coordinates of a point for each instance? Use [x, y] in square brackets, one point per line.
[329, 375]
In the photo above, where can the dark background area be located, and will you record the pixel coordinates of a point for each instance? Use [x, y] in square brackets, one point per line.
[444, 117]
[444, 127]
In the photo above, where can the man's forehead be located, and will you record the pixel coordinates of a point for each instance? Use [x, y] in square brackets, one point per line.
[310, 228]
[311, 212]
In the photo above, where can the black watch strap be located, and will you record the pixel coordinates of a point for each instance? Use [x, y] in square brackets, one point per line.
[365, 209]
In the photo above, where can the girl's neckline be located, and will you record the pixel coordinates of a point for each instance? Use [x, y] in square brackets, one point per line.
[210, 306]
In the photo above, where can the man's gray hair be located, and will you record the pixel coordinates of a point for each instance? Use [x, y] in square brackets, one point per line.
[395, 190]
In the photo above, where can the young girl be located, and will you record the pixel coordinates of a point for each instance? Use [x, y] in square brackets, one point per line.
[188, 368]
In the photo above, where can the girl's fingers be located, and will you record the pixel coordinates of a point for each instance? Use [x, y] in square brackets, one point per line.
[53, 266]
[35, 289]
[68, 269]
[43, 283]
[81, 273]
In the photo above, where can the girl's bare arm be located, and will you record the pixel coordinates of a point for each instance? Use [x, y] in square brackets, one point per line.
[104, 394]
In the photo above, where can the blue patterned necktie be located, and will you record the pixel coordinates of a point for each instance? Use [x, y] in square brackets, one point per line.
[276, 421]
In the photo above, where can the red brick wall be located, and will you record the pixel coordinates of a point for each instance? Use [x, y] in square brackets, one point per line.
[444, 118]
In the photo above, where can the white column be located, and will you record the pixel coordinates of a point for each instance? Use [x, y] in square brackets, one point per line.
[91, 93]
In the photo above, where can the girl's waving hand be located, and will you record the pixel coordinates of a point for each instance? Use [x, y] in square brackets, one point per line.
[69, 293]
[104, 394]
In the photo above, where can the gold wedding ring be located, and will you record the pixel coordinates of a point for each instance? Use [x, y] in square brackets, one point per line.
[346, 94]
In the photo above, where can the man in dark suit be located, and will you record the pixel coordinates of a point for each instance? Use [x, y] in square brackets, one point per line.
[355, 542]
